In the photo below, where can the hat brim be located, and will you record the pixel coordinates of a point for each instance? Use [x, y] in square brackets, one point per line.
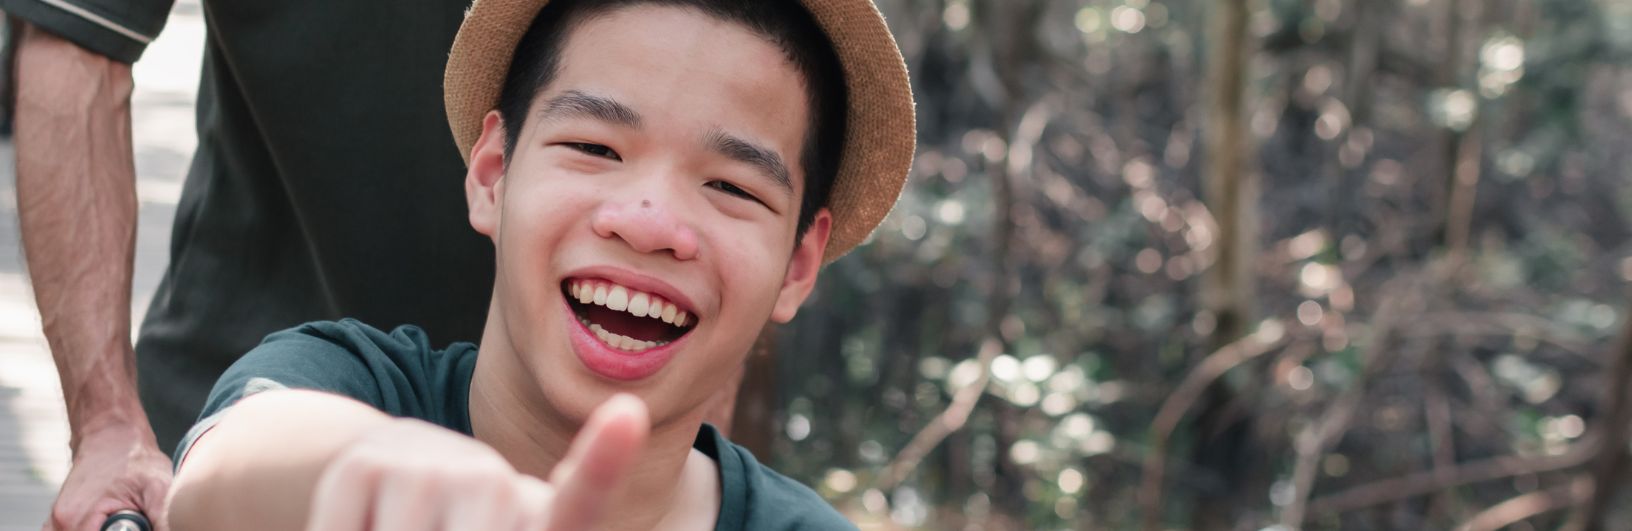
[880, 130]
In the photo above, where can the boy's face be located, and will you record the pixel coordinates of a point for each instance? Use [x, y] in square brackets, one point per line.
[659, 166]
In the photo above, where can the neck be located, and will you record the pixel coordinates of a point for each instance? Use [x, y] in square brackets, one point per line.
[510, 412]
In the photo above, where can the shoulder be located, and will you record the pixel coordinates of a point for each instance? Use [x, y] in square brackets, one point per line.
[350, 334]
[397, 372]
[349, 343]
[770, 500]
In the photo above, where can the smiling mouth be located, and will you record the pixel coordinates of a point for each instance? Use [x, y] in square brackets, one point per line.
[626, 319]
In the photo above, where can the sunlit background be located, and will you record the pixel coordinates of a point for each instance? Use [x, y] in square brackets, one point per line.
[1350, 264]
[1420, 247]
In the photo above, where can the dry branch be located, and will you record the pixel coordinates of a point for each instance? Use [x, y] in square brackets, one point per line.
[1524, 506]
[949, 421]
[1313, 442]
[1178, 403]
[1505, 324]
[1424, 483]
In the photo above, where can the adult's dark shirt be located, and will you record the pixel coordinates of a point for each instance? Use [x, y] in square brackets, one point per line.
[325, 184]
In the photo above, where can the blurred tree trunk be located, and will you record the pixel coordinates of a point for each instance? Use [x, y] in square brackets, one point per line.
[1231, 187]
[1453, 202]
[1608, 469]
[1364, 56]
[1223, 451]
[1346, 155]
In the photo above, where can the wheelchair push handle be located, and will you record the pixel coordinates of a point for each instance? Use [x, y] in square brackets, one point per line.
[127, 520]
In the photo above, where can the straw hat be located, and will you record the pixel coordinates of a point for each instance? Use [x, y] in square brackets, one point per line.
[879, 135]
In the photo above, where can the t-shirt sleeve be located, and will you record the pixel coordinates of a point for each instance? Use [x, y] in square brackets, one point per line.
[395, 372]
[119, 29]
[756, 498]
[793, 506]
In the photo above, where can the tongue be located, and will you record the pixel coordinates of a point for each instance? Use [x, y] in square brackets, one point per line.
[621, 323]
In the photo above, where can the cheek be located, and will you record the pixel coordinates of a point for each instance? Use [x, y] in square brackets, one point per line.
[539, 209]
[751, 268]
[535, 221]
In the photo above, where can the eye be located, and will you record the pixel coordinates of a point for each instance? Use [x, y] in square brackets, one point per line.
[595, 149]
[733, 190]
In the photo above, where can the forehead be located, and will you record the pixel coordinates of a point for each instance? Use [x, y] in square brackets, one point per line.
[682, 69]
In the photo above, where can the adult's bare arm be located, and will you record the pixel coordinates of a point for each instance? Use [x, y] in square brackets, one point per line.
[76, 199]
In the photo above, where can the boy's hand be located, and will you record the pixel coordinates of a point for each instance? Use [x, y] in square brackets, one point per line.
[416, 476]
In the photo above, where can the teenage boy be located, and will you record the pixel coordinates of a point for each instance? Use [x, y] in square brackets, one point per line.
[659, 178]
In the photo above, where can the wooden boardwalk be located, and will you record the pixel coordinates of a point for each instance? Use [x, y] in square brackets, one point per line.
[33, 435]
[33, 423]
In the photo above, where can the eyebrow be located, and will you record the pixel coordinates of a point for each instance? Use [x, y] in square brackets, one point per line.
[574, 103]
[753, 154]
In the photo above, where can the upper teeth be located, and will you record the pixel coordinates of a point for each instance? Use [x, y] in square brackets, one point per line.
[637, 303]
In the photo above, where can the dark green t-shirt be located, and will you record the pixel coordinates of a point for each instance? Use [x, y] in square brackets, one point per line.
[325, 184]
[401, 374]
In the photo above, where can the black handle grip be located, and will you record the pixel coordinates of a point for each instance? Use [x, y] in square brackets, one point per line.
[127, 520]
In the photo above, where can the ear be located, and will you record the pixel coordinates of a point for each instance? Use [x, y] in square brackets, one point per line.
[802, 269]
[484, 181]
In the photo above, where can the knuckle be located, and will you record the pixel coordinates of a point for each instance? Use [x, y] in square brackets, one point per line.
[503, 494]
[494, 466]
[478, 464]
[534, 492]
[487, 481]
[353, 465]
[60, 519]
[63, 514]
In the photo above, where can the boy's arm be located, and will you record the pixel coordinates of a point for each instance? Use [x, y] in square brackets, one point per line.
[257, 467]
[306, 459]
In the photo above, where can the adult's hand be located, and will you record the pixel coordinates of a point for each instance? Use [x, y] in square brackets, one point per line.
[113, 470]
[413, 476]
[76, 200]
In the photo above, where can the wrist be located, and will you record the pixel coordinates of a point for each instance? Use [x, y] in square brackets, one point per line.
[99, 390]
[118, 423]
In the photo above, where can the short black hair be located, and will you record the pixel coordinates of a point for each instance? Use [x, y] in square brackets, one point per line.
[784, 23]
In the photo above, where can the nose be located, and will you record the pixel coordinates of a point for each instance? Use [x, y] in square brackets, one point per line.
[647, 227]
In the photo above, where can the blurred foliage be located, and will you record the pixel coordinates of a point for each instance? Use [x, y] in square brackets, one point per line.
[1092, 112]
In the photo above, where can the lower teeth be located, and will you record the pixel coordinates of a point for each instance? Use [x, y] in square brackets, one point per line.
[619, 341]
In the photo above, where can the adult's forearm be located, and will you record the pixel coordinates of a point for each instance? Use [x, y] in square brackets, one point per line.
[259, 465]
[76, 199]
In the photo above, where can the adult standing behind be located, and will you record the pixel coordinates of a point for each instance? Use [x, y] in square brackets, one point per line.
[325, 185]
